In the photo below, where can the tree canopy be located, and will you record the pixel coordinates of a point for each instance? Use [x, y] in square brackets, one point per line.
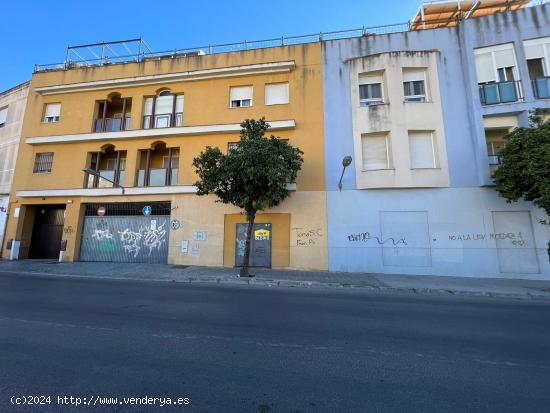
[525, 165]
[252, 176]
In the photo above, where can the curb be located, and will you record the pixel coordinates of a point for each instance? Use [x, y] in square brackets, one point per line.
[296, 284]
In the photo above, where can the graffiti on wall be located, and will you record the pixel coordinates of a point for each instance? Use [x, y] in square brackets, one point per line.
[516, 238]
[366, 237]
[307, 237]
[150, 238]
[102, 234]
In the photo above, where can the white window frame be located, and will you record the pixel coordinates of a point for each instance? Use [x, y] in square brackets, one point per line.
[492, 50]
[371, 101]
[544, 42]
[241, 100]
[51, 119]
[434, 152]
[416, 98]
[267, 85]
[386, 137]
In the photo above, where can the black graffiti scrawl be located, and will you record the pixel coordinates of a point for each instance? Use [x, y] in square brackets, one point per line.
[366, 237]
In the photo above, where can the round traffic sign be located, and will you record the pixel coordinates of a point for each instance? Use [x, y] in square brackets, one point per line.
[147, 210]
[101, 211]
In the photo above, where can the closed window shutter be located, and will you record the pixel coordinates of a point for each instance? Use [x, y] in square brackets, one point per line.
[148, 109]
[3, 115]
[164, 105]
[421, 150]
[52, 110]
[411, 75]
[276, 94]
[484, 68]
[505, 58]
[241, 93]
[375, 152]
[179, 104]
[534, 51]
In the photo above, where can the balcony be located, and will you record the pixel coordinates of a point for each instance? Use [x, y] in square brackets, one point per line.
[109, 164]
[158, 166]
[163, 120]
[541, 87]
[112, 124]
[500, 92]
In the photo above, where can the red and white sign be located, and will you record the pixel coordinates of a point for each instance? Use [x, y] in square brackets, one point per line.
[101, 211]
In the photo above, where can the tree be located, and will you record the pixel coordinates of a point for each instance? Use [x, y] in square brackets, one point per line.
[253, 176]
[525, 166]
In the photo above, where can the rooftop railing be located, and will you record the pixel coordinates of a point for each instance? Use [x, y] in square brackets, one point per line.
[223, 48]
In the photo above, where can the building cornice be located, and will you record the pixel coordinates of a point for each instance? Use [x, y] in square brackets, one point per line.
[232, 71]
[145, 133]
[92, 192]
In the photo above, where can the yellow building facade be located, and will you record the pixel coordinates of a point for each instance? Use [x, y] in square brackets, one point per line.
[140, 125]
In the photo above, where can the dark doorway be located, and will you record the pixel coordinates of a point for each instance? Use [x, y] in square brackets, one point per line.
[260, 247]
[536, 68]
[47, 231]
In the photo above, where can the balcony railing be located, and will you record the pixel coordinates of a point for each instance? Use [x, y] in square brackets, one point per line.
[495, 160]
[500, 92]
[104, 183]
[162, 120]
[112, 124]
[158, 177]
[541, 87]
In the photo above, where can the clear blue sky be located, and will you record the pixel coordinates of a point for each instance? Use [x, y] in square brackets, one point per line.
[38, 31]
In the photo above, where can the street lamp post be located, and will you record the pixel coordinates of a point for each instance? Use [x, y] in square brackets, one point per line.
[345, 163]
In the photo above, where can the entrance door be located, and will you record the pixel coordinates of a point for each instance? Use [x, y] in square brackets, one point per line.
[47, 232]
[260, 247]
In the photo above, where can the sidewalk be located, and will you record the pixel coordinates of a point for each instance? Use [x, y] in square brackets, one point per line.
[490, 287]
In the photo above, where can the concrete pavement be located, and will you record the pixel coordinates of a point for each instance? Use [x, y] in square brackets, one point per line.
[491, 287]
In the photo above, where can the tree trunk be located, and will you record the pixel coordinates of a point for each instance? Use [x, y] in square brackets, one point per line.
[250, 217]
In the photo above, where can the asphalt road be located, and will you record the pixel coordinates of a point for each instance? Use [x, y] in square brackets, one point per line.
[237, 349]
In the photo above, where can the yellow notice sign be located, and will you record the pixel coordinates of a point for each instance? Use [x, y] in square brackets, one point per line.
[261, 234]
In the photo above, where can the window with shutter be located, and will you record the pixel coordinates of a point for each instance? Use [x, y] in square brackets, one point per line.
[414, 85]
[375, 152]
[276, 94]
[370, 88]
[240, 97]
[421, 149]
[52, 112]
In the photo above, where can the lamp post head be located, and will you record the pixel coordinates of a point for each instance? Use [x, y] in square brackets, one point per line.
[346, 161]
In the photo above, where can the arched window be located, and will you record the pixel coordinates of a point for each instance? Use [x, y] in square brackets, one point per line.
[109, 166]
[165, 110]
[113, 114]
[158, 165]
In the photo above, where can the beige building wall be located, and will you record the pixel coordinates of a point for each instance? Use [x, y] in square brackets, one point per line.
[396, 118]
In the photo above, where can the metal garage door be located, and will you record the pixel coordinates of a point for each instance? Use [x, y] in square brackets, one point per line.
[125, 234]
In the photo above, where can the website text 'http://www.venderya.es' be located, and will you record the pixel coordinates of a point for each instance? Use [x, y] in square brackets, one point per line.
[95, 400]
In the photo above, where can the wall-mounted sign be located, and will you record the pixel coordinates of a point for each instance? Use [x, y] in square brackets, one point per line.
[185, 246]
[261, 234]
[147, 210]
[16, 212]
[199, 236]
[175, 224]
[101, 211]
